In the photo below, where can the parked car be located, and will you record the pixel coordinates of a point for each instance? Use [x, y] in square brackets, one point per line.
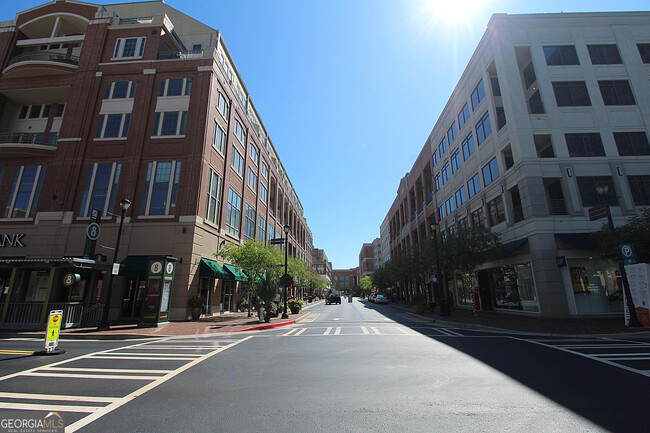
[371, 296]
[381, 299]
[333, 298]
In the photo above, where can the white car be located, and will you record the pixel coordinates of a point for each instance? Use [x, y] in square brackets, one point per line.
[381, 299]
[371, 297]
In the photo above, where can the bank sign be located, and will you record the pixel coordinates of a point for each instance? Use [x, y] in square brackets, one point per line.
[13, 240]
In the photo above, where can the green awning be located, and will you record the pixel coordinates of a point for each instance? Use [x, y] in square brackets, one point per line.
[235, 273]
[211, 269]
[134, 265]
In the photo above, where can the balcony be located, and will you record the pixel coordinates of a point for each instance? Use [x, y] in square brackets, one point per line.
[20, 144]
[171, 55]
[38, 63]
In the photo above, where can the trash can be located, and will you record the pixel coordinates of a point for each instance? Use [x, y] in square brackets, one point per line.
[295, 308]
[350, 298]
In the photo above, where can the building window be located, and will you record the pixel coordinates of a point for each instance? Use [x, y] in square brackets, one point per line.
[483, 128]
[113, 125]
[632, 143]
[271, 232]
[571, 94]
[442, 147]
[445, 173]
[588, 193]
[437, 182]
[584, 144]
[222, 105]
[478, 218]
[640, 189]
[435, 158]
[161, 188]
[240, 133]
[120, 90]
[501, 118]
[561, 55]
[451, 133]
[473, 185]
[604, 54]
[249, 222]
[616, 92]
[252, 179]
[456, 161]
[173, 123]
[264, 169]
[263, 193]
[468, 146]
[218, 137]
[213, 201]
[100, 189]
[24, 192]
[129, 47]
[441, 212]
[496, 212]
[460, 196]
[477, 95]
[233, 213]
[535, 104]
[463, 116]
[544, 146]
[237, 162]
[644, 52]
[529, 75]
[252, 151]
[449, 206]
[175, 87]
[261, 229]
[490, 172]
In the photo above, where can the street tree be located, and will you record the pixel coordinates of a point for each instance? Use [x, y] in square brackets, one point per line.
[635, 231]
[366, 285]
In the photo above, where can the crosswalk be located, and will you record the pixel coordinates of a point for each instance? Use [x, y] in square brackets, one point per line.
[368, 330]
[164, 359]
[629, 355]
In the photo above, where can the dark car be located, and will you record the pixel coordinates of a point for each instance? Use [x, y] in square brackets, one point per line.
[333, 298]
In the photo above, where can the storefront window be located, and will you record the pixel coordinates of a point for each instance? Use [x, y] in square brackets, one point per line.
[463, 297]
[597, 286]
[514, 287]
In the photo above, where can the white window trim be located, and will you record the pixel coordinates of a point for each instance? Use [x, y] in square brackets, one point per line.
[183, 95]
[128, 91]
[178, 124]
[243, 162]
[92, 188]
[119, 48]
[105, 121]
[170, 185]
[14, 193]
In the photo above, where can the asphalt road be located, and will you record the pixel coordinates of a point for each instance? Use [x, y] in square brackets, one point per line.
[354, 367]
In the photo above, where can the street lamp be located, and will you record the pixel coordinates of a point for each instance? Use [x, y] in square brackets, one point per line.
[634, 320]
[104, 325]
[287, 228]
[443, 306]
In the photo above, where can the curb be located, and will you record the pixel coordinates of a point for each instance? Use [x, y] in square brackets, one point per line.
[263, 327]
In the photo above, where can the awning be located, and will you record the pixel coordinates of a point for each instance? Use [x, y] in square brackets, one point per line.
[511, 247]
[235, 273]
[211, 269]
[134, 265]
[577, 240]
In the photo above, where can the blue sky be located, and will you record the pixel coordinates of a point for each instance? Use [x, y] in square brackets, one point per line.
[349, 90]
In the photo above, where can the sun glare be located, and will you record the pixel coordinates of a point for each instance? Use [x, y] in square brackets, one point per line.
[451, 12]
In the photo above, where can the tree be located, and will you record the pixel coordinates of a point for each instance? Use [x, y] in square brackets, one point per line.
[636, 232]
[366, 285]
[255, 260]
[464, 248]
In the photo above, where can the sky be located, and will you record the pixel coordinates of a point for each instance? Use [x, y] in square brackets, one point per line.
[349, 90]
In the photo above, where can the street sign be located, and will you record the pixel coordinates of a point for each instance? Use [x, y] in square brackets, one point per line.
[597, 212]
[53, 327]
[629, 258]
[71, 279]
[116, 269]
[277, 241]
[286, 280]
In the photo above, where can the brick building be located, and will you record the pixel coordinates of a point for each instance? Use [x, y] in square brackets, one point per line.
[343, 280]
[137, 101]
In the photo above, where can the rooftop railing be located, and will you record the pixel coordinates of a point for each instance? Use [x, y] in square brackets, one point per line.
[40, 138]
[45, 56]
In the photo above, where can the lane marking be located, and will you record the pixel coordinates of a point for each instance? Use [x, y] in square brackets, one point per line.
[300, 332]
[338, 331]
[375, 330]
[403, 331]
[327, 331]
[108, 370]
[16, 352]
[365, 330]
[94, 376]
[145, 358]
[49, 407]
[79, 398]
[290, 332]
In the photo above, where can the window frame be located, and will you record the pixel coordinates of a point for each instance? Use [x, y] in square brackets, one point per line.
[213, 198]
[237, 162]
[570, 93]
[233, 213]
[473, 185]
[602, 54]
[120, 44]
[477, 95]
[123, 128]
[91, 188]
[566, 55]
[632, 146]
[616, 92]
[463, 117]
[16, 191]
[159, 123]
[492, 167]
[172, 187]
[584, 144]
[483, 128]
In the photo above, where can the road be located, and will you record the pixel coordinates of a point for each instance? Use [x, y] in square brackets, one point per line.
[354, 367]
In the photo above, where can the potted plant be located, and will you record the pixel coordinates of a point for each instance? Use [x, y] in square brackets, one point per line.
[196, 304]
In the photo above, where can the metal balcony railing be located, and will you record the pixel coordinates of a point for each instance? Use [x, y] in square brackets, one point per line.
[41, 138]
[45, 56]
[192, 54]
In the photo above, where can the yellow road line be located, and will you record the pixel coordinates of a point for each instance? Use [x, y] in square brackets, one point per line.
[16, 352]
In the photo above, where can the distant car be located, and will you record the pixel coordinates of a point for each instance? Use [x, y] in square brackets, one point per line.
[381, 299]
[372, 296]
[333, 298]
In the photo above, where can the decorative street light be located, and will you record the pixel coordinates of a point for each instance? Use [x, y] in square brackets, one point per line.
[286, 277]
[634, 320]
[104, 325]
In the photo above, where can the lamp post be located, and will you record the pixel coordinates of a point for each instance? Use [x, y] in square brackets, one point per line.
[104, 325]
[287, 227]
[443, 309]
[634, 320]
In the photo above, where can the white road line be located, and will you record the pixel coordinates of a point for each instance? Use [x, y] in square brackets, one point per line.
[338, 331]
[327, 331]
[444, 331]
[79, 398]
[365, 330]
[146, 358]
[375, 330]
[191, 355]
[103, 411]
[290, 332]
[599, 346]
[107, 370]
[49, 407]
[404, 331]
[180, 347]
[300, 332]
[452, 332]
[94, 376]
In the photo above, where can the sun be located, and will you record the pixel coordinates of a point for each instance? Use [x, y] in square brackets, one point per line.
[451, 12]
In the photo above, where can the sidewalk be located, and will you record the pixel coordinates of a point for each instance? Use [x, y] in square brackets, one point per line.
[493, 320]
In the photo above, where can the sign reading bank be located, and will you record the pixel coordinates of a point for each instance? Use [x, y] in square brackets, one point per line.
[13, 240]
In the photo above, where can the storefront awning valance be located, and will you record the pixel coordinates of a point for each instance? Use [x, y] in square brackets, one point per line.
[134, 265]
[211, 269]
[577, 240]
[235, 273]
